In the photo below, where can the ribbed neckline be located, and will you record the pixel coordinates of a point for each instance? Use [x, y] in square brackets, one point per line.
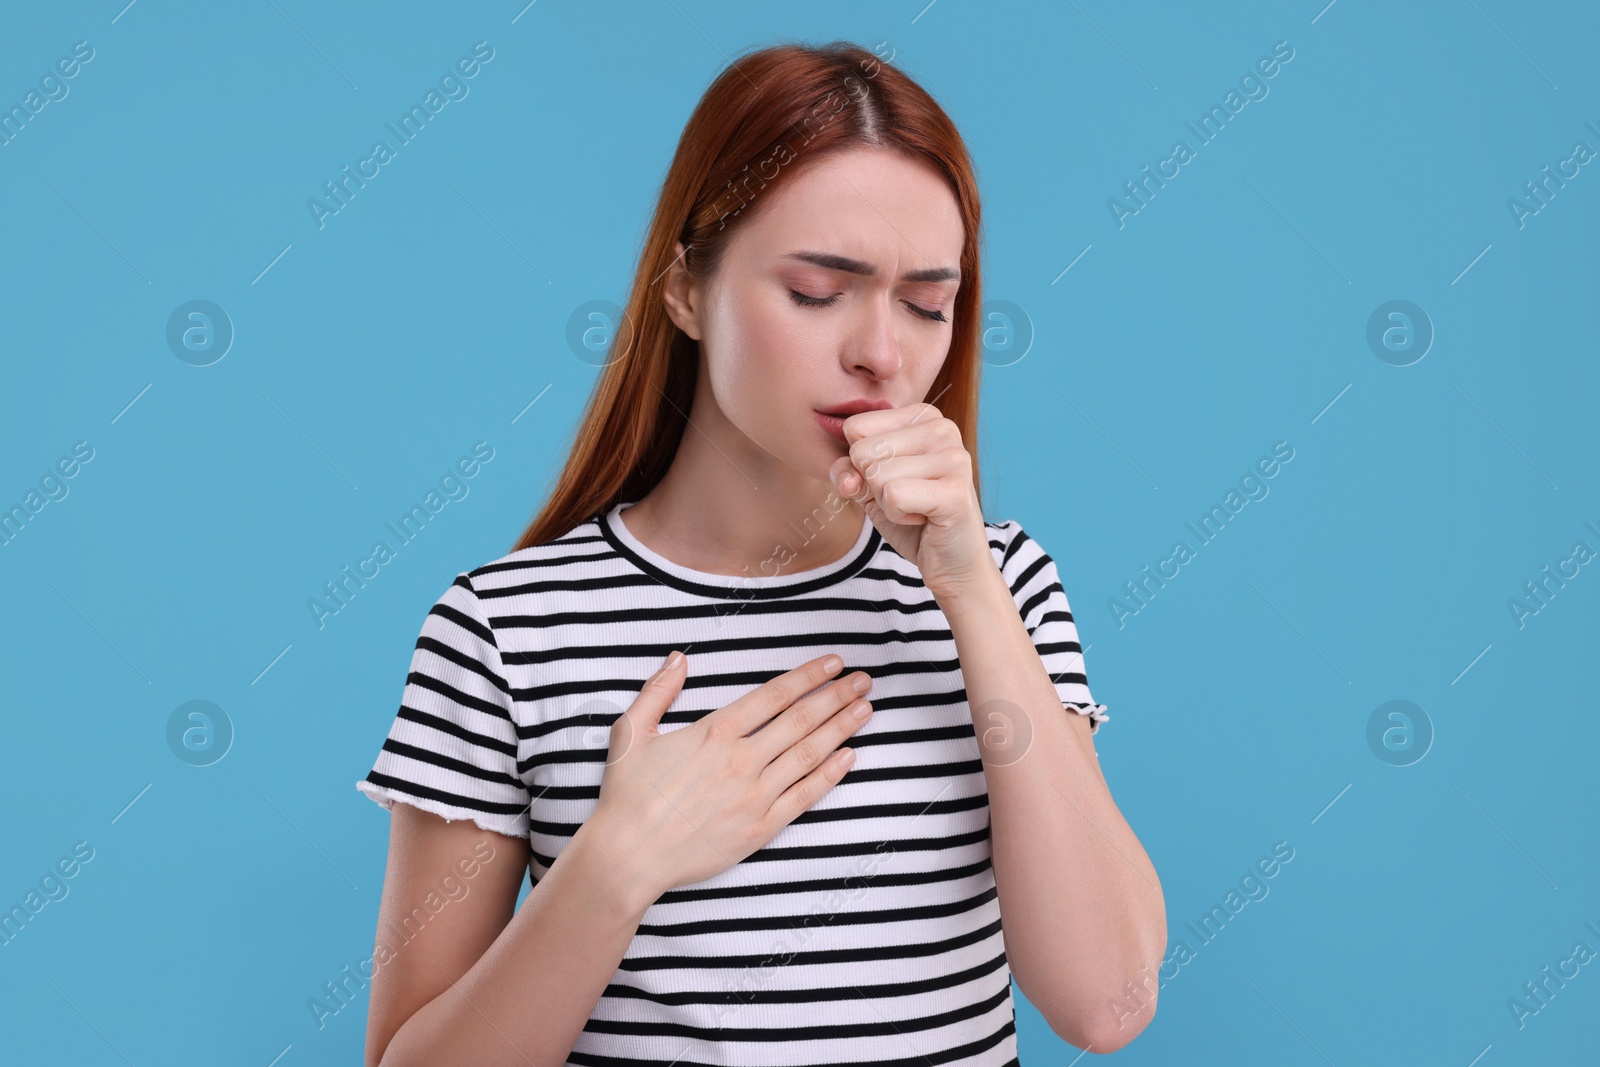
[735, 586]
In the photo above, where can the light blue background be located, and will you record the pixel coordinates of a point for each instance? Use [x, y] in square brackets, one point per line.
[1229, 314]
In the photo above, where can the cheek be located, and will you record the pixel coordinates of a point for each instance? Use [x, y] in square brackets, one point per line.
[760, 361]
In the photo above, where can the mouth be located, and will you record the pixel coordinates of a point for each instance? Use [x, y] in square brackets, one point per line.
[833, 423]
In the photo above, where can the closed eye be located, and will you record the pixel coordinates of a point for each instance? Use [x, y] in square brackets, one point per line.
[803, 300]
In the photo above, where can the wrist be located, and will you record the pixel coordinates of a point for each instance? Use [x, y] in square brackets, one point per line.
[610, 872]
[975, 595]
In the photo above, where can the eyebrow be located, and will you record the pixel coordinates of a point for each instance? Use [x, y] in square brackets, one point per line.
[831, 261]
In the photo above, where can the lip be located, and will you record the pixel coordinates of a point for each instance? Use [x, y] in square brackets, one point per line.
[856, 407]
[834, 424]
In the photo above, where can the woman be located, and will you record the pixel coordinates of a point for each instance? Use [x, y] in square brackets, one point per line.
[775, 475]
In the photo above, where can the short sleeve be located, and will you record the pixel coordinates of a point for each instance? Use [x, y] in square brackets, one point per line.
[452, 749]
[1036, 587]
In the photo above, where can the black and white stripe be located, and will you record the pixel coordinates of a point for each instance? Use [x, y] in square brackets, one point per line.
[868, 930]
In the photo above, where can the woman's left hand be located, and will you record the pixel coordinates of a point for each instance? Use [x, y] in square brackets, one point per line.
[911, 472]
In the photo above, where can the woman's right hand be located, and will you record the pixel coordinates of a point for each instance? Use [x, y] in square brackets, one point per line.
[679, 807]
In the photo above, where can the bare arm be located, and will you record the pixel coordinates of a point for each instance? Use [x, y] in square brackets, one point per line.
[1085, 918]
[478, 984]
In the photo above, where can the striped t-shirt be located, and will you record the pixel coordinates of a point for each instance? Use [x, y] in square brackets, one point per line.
[868, 930]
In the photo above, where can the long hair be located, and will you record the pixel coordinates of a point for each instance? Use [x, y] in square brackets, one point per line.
[766, 117]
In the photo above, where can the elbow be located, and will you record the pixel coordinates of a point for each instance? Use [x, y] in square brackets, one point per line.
[1107, 1013]
[1105, 1027]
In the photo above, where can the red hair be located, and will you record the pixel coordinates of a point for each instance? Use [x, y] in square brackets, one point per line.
[762, 121]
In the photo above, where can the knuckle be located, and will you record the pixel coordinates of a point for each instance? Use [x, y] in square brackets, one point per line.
[775, 697]
[657, 685]
[806, 752]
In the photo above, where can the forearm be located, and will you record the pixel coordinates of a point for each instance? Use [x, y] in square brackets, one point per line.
[525, 1001]
[1080, 900]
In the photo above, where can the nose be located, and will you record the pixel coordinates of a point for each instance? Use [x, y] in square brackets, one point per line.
[875, 347]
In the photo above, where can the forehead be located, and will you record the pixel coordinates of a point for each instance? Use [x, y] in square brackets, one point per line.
[872, 204]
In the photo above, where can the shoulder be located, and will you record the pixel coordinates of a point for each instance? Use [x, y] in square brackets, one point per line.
[583, 543]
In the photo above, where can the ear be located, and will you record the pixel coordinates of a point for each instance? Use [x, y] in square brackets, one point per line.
[682, 296]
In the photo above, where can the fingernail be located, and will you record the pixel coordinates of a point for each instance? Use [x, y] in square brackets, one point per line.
[861, 683]
[861, 709]
[673, 660]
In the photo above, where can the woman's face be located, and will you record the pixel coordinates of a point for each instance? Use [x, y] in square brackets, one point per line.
[840, 286]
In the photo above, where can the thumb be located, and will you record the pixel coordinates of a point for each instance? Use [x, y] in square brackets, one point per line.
[658, 693]
[843, 472]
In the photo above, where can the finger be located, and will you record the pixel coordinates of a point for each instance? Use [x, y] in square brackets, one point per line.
[848, 481]
[800, 797]
[923, 467]
[812, 750]
[866, 423]
[776, 694]
[908, 440]
[657, 694]
[808, 713]
[914, 503]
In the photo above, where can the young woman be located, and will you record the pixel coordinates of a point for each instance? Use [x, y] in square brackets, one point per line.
[775, 476]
